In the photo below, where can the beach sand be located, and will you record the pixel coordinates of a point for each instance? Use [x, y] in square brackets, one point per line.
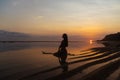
[99, 63]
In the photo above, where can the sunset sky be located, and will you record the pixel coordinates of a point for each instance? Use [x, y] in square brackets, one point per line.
[90, 18]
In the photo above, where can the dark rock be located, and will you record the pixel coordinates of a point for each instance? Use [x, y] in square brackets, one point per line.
[112, 37]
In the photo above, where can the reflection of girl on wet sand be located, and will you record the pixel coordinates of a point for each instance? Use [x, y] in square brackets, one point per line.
[62, 48]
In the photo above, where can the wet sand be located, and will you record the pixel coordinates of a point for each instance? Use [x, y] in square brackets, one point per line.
[99, 63]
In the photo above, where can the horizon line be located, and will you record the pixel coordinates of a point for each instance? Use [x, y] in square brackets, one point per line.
[33, 41]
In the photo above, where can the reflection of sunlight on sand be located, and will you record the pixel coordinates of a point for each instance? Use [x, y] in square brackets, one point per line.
[78, 48]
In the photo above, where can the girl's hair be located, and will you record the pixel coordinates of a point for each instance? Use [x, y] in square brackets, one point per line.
[65, 39]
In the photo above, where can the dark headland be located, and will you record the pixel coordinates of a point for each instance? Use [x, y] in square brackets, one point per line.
[111, 40]
[112, 37]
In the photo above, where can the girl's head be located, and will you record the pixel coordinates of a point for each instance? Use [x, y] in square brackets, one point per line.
[65, 37]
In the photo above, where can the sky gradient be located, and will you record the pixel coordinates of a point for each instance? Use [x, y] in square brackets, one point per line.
[90, 18]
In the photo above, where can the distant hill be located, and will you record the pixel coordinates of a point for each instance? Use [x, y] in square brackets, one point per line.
[7, 35]
[112, 37]
[17, 36]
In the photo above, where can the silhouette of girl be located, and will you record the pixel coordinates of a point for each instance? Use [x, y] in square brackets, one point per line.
[62, 48]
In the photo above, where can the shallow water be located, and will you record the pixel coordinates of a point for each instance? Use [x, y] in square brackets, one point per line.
[18, 60]
[47, 46]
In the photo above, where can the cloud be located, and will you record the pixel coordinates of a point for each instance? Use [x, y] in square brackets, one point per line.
[40, 17]
[19, 2]
[15, 3]
[37, 18]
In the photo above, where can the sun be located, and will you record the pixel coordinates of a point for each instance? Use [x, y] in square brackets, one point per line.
[91, 41]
